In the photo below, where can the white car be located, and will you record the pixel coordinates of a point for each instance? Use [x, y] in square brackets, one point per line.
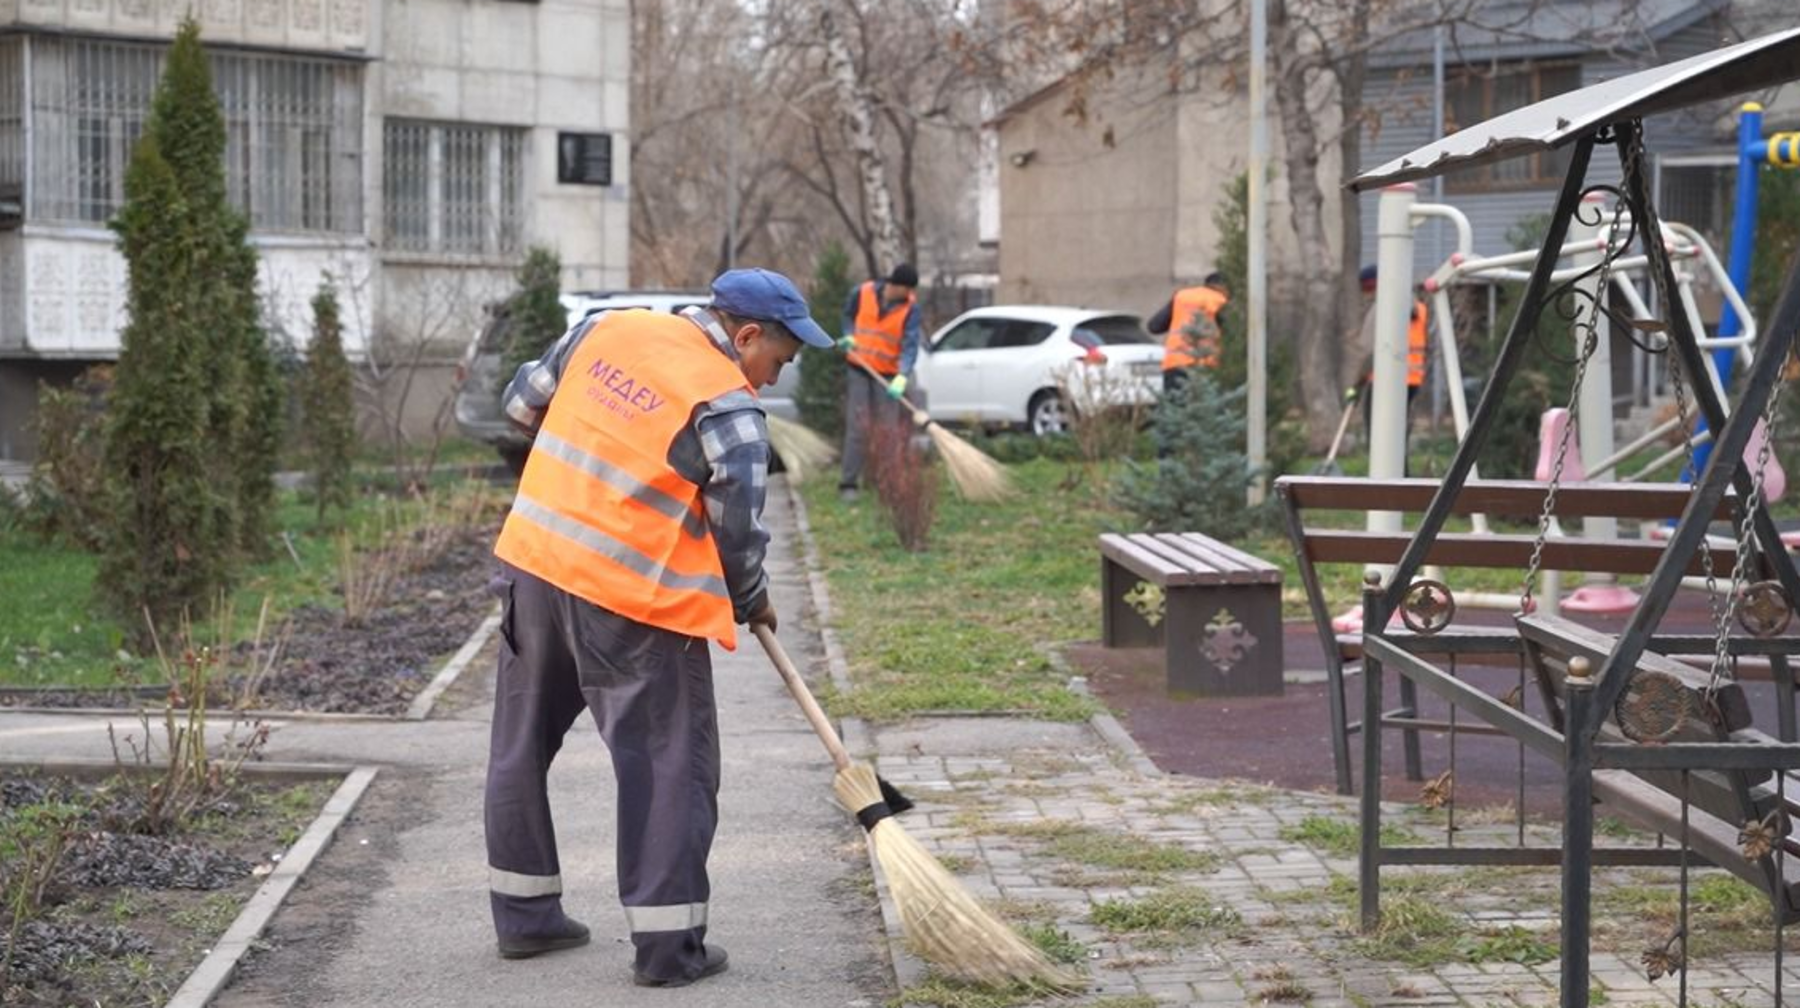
[1035, 365]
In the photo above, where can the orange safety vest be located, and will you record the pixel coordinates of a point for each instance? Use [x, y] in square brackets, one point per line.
[1416, 338]
[600, 512]
[878, 337]
[1179, 349]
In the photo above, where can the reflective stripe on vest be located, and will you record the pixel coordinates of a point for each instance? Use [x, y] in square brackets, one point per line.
[675, 917]
[878, 337]
[600, 512]
[1416, 337]
[1181, 350]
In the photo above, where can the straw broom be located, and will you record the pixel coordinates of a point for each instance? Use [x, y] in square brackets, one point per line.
[975, 476]
[801, 448]
[944, 923]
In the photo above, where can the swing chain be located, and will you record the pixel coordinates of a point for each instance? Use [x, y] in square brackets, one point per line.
[1589, 330]
[1682, 412]
[1734, 597]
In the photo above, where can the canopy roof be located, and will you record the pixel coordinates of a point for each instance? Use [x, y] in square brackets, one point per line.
[1748, 66]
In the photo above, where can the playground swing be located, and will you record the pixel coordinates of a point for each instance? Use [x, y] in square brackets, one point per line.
[1617, 701]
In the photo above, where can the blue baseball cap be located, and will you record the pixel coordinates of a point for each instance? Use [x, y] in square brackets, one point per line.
[768, 296]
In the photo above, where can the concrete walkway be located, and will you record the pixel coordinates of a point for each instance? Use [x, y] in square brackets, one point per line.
[395, 912]
[1060, 824]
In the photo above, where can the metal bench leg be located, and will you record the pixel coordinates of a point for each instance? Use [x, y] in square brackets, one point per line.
[1578, 841]
[1368, 868]
[1339, 713]
[1409, 705]
[1783, 674]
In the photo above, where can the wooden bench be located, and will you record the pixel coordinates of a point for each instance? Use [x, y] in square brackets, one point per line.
[1516, 499]
[1221, 616]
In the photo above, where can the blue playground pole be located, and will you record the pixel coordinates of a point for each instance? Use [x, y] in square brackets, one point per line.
[1781, 150]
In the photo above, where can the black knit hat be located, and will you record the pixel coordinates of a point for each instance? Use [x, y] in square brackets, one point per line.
[904, 275]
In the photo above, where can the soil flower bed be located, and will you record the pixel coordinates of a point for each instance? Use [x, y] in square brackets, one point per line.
[326, 663]
[98, 911]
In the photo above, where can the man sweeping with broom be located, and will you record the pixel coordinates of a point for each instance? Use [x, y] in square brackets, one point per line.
[635, 538]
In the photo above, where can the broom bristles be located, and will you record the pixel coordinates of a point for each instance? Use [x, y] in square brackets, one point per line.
[945, 925]
[802, 449]
[975, 475]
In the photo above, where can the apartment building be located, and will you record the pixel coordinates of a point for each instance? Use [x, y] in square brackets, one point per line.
[412, 149]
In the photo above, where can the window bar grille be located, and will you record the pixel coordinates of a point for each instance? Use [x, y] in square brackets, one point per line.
[289, 165]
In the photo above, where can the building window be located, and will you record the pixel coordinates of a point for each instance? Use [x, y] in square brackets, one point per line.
[453, 188]
[1474, 96]
[293, 158]
[295, 133]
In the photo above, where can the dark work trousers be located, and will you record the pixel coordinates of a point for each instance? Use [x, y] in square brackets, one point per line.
[866, 402]
[1368, 411]
[651, 693]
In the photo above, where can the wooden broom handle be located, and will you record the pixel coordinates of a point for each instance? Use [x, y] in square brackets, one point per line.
[797, 686]
[919, 416]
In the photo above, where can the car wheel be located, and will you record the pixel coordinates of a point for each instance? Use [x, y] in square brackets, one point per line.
[514, 459]
[1047, 414]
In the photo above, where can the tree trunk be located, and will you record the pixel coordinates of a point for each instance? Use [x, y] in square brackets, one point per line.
[1351, 75]
[859, 123]
[1320, 348]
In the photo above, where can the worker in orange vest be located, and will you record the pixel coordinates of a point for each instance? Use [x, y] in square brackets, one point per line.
[1418, 345]
[635, 538]
[881, 332]
[1189, 325]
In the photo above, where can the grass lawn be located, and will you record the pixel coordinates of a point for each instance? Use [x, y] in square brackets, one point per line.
[52, 632]
[964, 625]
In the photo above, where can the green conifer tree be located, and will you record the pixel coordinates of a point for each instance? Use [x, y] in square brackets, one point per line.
[245, 396]
[1200, 477]
[820, 398]
[165, 550]
[327, 403]
[535, 316]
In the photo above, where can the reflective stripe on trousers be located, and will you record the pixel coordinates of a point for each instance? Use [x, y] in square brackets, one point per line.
[676, 917]
[515, 884]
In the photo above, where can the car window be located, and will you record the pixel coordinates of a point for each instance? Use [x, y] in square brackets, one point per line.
[1020, 333]
[973, 334]
[1112, 330]
[493, 334]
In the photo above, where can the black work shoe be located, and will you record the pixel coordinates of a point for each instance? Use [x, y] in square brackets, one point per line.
[716, 961]
[573, 935]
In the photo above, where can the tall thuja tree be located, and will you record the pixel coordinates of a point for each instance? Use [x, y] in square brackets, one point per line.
[245, 396]
[327, 404]
[165, 548]
[535, 314]
[821, 395]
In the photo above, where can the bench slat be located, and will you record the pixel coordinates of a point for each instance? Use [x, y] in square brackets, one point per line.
[1171, 548]
[1509, 498]
[1260, 569]
[1566, 638]
[1469, 549]
[1231, 566]
[1138, 560]
[1196, 554]
[1182, 560]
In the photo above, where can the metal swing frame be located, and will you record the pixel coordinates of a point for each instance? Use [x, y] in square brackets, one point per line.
[1608, 113]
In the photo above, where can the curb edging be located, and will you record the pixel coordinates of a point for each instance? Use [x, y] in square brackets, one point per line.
[216, 970]
[909, 970]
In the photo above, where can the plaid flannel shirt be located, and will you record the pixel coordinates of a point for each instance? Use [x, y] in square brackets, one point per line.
[724, 450]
